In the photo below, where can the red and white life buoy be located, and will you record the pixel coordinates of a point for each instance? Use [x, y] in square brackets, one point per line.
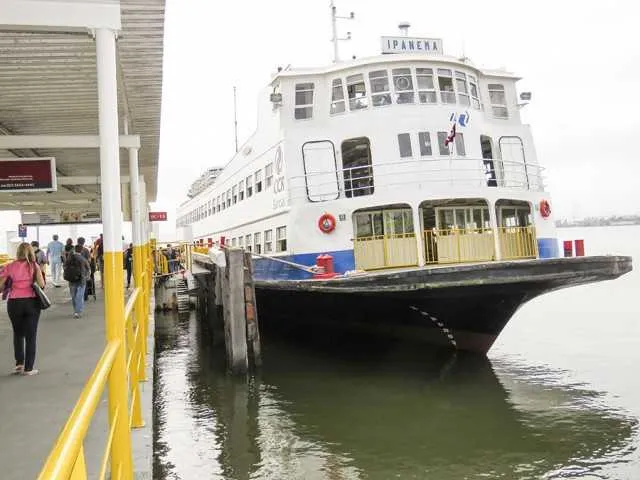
[545, 209]
[327, 223]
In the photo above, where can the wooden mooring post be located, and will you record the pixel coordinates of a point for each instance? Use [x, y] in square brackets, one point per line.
[242, 337]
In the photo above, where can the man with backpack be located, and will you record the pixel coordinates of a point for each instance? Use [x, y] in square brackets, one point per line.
[41, 257]
[77, 271]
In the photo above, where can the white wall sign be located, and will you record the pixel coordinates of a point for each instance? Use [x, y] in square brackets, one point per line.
[411, 45]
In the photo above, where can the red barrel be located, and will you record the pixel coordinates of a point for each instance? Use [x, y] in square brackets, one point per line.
[222, 239]
[579, 248]
[210, 242]
[568, 248]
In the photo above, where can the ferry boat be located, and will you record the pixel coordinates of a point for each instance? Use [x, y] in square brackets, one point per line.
[409, 176]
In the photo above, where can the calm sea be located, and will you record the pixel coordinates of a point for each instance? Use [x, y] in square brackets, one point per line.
[558, 397]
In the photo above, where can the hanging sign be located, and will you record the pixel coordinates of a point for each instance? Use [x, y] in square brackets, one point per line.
[28, 174]
[56, 217]
[157, 216]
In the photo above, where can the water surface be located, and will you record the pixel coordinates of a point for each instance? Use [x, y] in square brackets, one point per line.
[558, 397]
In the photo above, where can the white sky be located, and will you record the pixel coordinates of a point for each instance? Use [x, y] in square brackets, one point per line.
[581, 60]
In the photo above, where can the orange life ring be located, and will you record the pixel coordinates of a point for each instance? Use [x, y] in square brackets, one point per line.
[545, 209]
[327, 223]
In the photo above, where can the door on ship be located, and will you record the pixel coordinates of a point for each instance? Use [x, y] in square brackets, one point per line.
[384, 238]
[514, 162]
[488, 161]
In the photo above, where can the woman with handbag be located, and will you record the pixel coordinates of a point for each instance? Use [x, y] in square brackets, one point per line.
[24, 306]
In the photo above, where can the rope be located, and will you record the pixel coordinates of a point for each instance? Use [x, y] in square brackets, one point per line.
[313, 269]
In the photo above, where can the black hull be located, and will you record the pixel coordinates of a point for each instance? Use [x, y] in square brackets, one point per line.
[461, 307]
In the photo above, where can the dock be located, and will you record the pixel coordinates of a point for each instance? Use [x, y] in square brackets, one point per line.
[34, 409]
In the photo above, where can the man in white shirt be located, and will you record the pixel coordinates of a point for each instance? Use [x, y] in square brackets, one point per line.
[54, 255]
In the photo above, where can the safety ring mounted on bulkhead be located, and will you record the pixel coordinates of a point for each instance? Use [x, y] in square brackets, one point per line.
[545, 209]
[327, 223]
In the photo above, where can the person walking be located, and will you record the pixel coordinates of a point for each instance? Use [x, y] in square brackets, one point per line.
[128, 263]
[77, 271]
[41, 257]
[68, 248]
[54, 256]
[23, 306]
[98, 248]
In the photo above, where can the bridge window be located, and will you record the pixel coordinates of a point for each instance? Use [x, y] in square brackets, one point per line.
[224, 201]
[247, 241]
[445, 82]
[268, 241]
[304, 101]
[337, 97]
[241, 241]
[442, 148]
[461, 86]
[241, 190]
[235, 194]
[459, 143]
[426, 88]
[498, 100]
[249, 185]
[320, 171]
[268, 176]
[356, 162]
[379, 81]
[257, 242]
[424, 139]
[403, 85]
[218, 203]
[233, 242]
[228, 198]
[473, 86]
[357, 91]
[258, 177]
[281, 239]
[404, 144]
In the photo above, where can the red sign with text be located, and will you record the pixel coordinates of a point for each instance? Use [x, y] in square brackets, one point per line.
[157, 216]
[27, 174]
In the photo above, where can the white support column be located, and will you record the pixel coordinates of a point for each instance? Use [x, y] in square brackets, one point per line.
[418, 229]
[493, 217]
[136, 199]
[112, 274]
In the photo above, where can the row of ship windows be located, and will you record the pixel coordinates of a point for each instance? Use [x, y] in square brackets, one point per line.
[253, 242]
[401, 86]
[237, 193]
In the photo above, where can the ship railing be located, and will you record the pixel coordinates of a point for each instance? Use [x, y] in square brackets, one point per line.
[442, 174]
[518, 242]
[459, 245]
[385, 251]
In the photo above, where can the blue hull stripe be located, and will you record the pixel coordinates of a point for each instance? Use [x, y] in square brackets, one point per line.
[265, 269]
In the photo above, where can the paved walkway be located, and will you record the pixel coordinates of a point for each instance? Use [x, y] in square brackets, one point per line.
[34, 409]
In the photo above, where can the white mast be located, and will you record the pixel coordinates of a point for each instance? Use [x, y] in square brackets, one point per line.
[334, 28]
[235, 118]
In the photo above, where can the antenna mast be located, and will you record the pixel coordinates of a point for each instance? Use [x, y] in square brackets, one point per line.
[235, 118]
[334, 28]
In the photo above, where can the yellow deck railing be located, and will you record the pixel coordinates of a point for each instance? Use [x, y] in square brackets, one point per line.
[518, 242]
[385, 251]
[183, 250]
[67, 460]
[459, 245]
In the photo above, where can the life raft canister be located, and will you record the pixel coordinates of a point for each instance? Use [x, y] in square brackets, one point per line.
[545, 209]
[327, 223]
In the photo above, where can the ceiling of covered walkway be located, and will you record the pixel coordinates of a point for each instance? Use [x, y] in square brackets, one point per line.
[48, 86]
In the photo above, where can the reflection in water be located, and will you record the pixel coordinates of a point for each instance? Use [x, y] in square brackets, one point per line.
[381, 411]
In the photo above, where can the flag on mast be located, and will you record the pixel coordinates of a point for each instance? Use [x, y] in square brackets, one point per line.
[451, 136]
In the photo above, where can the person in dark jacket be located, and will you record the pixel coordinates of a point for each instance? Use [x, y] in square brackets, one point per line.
[128, 263]
[77, 271]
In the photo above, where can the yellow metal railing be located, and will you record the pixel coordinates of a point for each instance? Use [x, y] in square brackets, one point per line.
[459, 245]
[385, 251]
[518, 242]
[67, 460]
[184, 258]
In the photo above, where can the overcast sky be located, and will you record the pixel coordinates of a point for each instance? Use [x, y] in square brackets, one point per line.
[580, 59]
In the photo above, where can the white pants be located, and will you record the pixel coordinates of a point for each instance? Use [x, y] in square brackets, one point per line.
[56, 268]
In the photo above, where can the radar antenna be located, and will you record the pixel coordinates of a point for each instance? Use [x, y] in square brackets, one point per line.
[335, 39]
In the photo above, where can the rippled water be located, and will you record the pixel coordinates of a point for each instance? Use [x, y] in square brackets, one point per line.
[557, 398]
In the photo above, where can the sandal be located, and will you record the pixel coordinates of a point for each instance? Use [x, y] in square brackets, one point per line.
[30, 372]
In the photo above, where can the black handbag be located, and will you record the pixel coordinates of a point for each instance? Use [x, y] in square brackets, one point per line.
[43, 300]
